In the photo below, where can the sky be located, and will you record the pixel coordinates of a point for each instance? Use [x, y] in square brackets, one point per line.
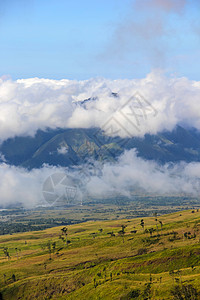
[111, 39]
[55, 54]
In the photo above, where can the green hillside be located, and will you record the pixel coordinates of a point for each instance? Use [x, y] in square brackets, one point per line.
[157, 258]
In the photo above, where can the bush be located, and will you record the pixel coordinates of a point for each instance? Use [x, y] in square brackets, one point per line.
[185, 292]
[142, 251]
[134, 294]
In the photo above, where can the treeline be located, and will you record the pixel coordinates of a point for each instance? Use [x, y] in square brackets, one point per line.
[6, 228]
[35, 225]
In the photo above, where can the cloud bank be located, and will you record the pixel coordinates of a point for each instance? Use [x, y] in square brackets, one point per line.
[130, 175]
[147, 105]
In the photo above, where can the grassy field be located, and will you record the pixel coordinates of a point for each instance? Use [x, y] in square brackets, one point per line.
[120, 259]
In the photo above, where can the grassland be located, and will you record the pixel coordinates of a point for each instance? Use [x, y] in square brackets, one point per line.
[13, 220]
[120, 259]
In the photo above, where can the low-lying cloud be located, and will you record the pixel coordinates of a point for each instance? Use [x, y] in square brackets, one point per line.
[147, 105]
[130, 175]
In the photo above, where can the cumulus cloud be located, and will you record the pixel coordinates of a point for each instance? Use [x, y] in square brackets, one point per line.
[147, 105]
[20, 186]
[130, 175]
[133, 174]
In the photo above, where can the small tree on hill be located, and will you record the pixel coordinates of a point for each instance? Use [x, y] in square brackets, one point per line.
[54, 246]
[13, 277]
[49, 247]
[122, 231]
[64, 232]
[151, 230]
[16, 249]
[5, 250]
[161, 226]
[142, 224]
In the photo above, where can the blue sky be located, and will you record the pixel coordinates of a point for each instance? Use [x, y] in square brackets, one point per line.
[114, 39]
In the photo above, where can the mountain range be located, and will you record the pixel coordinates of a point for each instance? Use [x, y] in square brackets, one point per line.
[69, 147]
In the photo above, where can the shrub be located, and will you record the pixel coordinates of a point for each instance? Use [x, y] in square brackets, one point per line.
[134, 294]
[185, 292]
[142, 251]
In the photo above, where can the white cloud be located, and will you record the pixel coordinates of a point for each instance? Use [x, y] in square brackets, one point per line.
[130, 174]
[62, 149]
[27, 105]
[2, 157]
[19, 185]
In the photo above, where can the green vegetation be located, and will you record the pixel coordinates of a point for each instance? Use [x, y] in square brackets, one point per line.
[151, 258]
[15, 220]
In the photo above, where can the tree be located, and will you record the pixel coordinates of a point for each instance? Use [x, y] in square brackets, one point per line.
[5, 250]
[111, 276]
[13, 277]
[151, 230]
[123, 228]
[95, 283]
[54, 246]
[189, 236]
[142, 224]
[64, 232]
[156, 223]
[16, 249]
[161, 226]
[122, 231]
[49, 246]
[111, 233]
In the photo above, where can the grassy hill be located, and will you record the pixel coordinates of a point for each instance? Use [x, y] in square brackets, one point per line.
[120, 259]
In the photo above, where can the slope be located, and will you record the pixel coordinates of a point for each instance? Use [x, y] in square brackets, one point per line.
[118, 259]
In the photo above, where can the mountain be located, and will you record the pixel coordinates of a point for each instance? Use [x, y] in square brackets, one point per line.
[68, 147]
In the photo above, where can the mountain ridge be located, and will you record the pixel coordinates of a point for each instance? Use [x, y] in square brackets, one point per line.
[68, 147]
